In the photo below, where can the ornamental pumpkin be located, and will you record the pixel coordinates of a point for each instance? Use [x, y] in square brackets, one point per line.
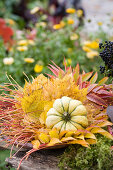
[67, 114]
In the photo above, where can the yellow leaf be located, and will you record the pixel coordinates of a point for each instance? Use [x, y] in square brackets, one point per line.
[76, 73]
[54, 134]
[103, 81]
[91, 141]
[43, 138]
[94, 78]
[86, 76]
[62, 134]
[36, 144]
[102, 131]
[67, 139]
[54, 141]
[80, 137]
[69, 134]
[90, 135]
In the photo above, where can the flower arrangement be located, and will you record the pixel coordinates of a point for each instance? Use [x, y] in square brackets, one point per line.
[67, 108]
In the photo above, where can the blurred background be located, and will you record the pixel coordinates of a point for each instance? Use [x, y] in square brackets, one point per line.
[33, 33]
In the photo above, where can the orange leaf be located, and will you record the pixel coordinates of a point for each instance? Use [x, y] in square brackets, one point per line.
[35, 144]
[62, 134]
[101, 116]
[80, 137]
[105, 123]
[54, 141]
[91, 141]
[90, 135]
[81, 142]
[102, 131]
[103, 81]
[94, 78]
[67, 139]
[86, 76]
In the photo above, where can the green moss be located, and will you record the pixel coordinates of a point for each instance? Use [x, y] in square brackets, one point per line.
[97, 157]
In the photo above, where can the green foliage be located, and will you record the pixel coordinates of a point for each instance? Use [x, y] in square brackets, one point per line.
[98, 157]
[3, 155]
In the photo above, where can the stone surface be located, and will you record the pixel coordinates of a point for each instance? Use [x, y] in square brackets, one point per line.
[40, 160]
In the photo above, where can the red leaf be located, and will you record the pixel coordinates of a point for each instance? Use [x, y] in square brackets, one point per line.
[96, 99]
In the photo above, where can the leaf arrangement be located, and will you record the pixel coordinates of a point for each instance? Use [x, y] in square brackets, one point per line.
[24, 111]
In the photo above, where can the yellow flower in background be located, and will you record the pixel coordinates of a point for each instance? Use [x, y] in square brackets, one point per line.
[10, 21]
[100, 23]
[34, 10]
[70, 10]
[86, 49]
[74, 37]
[29, 60]
[92, 54]
[43, 24]
[67, 62]
[38, 68]
[92, 44]
[79, 13]
[26, 42]
[70, 21]
[31, 42]
[8, 60]
[69, 50]
[62, 23]
[23, 42]
[22, 48]
[57, 26]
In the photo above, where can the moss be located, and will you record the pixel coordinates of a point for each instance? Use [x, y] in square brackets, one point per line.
[97, 157]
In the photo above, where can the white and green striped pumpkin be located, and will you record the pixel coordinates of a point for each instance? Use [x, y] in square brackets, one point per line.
[67, 114]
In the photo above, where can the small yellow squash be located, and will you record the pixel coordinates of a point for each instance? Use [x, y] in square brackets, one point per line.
[67, 114]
